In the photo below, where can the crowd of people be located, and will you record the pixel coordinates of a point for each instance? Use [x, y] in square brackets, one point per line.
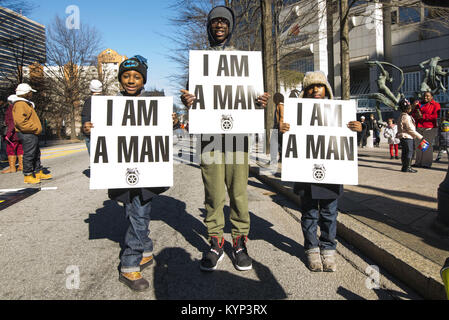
[414, 132]
[21, 129]
[368, 126]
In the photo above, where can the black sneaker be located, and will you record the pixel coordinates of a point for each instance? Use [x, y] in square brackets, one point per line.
[212, 257]
[242, 260]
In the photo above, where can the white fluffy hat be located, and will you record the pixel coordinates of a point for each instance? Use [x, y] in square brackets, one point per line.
[316, 77]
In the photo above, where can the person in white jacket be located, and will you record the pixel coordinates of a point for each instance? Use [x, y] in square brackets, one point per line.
[407, 133]
[390, 134]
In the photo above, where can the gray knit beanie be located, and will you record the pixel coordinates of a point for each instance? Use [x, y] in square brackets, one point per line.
[221, 12]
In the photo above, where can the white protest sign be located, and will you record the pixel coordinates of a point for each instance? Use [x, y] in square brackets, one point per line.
[319, 148]
[131, 142]
[226, 85]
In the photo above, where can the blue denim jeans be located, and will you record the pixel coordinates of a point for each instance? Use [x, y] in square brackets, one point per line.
[322, 213]
[87, 139]
[137, 241]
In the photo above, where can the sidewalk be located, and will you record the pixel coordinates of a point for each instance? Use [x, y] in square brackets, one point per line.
[389, 216]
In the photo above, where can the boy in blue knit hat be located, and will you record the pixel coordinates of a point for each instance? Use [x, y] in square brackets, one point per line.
[138, 246]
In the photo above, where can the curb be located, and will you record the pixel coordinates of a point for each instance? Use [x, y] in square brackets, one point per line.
[416, 271]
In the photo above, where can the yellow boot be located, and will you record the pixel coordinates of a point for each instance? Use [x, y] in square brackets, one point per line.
[31, 179]
[40, 175]
[12, 165]
[20, 160]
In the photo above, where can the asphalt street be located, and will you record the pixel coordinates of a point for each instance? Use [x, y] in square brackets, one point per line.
[63, 242]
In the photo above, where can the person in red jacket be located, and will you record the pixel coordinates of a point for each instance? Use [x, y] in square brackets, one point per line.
[426, 124]
[14, 148]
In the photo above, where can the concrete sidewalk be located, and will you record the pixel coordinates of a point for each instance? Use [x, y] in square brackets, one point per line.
[389, 216]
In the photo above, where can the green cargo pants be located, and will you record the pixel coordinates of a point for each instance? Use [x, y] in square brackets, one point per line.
[220, 168]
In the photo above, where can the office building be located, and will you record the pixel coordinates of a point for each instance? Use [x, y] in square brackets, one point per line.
[22, 43]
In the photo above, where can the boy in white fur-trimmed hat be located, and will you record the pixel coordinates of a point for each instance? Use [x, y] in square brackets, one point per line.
[319, 202]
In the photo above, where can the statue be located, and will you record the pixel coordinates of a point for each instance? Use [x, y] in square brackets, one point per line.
[385, 95]
[432, 77]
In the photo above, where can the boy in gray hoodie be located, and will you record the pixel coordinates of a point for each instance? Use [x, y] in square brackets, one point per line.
[217, 176]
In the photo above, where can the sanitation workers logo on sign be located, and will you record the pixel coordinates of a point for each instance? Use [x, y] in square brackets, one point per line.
[132, 176]
[319, 172]
[227, 123]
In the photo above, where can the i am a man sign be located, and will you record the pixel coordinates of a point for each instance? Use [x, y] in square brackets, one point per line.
[131, 142]
[226, 85]
[319, 148]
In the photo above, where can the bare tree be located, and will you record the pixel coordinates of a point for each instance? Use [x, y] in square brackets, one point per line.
[344, 50]
[268, 64]
[190, 23]
[22, 7]
[71, 65]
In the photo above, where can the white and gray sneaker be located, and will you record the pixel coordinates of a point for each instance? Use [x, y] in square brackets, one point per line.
[329, 262]
[314, 260]
[211, 258]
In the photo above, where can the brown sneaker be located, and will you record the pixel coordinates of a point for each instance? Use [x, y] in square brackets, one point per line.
[314, 260]
[134, 281]
[328, 258]
[145, 262]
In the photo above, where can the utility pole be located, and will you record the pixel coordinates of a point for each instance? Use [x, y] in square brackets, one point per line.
[344, 51]
[268, 65]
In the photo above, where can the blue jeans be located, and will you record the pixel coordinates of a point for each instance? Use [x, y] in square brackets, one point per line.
[87, 139]
[323, 213]
[137, 241]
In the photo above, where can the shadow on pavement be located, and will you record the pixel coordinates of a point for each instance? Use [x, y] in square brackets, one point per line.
[410, 218]
[381, 294]
[177, 276]
[108, 222]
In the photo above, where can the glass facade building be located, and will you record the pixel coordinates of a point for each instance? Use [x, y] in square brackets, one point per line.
[22, 43]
